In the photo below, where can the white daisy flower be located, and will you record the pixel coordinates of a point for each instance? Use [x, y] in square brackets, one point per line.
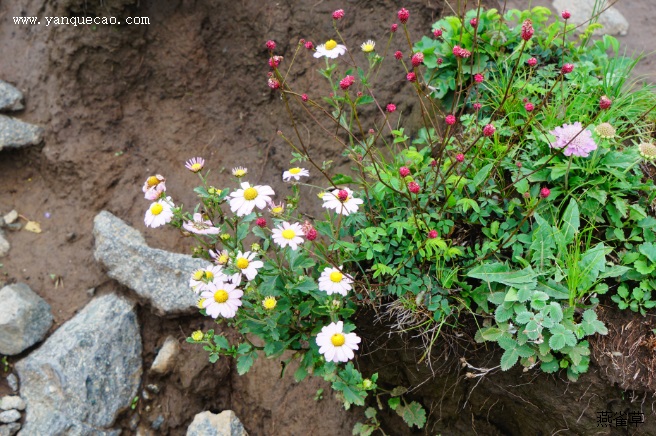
[342, 201]
[368, 46]
[334, 281]
[295, 173]
[335, 345]
[239, 172]
[159, 213]
[200, 226]
[221, 298]
[330, 49]
[246, 263]
[202, 277]
[245, 199]
[221, 257]
[195, 164]
[153, 187]
[288, 235]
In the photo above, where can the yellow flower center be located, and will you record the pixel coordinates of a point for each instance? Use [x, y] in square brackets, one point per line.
[337, 339]
[242, 263]
[196, 167]
[221, 296]
[277, 210]
[198, 275]
[295, 170]
[250, 194]
[156, 209]
[152, 181]
[209, 275]
[197, 335]
[200, 303]
[239, 172]
[330, 44]
[288, 234]
[336, 276]
[223, 259]
[269, 303]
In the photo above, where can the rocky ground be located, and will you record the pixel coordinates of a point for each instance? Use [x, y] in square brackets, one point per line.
[97, 340]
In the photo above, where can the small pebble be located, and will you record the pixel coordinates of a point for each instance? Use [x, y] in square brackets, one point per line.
[153, 388]
[146, 395]
[9, 416]
[157, 423]
[10, 217]
[12, 402]
[9, 429]
[91, 292]
[12, 381]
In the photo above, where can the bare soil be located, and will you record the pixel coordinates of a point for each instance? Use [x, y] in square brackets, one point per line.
[120, 103]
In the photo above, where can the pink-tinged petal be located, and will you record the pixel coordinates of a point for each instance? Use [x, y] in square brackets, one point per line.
[330, 354]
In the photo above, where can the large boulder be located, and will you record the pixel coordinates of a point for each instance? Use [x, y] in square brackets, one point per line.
[86, 373]
[25, 318]
[581, 11]
[158, 276]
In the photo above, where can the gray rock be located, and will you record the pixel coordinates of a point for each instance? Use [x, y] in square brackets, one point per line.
[16, 133]
[157, 423]
[9, 429]
[86, 373]
[158, 276]
[12, 381]
[4, 244]
[225, 423]
[10, 217]
[25, 318]
[613, 21]
[9, 416]
[166, 358]
[11, 99]
[12, 402]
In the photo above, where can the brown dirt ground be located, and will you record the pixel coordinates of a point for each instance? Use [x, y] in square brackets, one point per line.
[120, 103]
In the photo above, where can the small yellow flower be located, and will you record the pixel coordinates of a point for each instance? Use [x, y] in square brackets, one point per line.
[213, 191]
[225, 236]
[368, 46]
[277, 209]
[239, 172]
[223, 258]
[199, 303]
[321, 194]
[197, 336]
[269, 303]
[255, 246]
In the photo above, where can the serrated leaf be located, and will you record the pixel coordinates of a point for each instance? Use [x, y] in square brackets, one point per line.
[592, 262]
[394, 402]
[244, 363]
[554, 290]
[509, 359]
[490, 333]
[649, 250]
[643, 267]
[413, 414]
[398, 391]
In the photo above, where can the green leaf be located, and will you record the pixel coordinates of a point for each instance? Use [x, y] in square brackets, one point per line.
[649, 250]
[560, 337]
[571, 221]
[221, 342]
[352, 394]
[643, 268]
[394, 402]
[490, 333]
[509, 359]
[244, 363]
[592, 263]
[413, 414]
[621, 205]
[554, 290]
[341, 179]
[482, 174]
[500, 273]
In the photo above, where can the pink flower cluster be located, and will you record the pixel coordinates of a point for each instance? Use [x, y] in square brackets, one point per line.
[574, 138]
[460, 52]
